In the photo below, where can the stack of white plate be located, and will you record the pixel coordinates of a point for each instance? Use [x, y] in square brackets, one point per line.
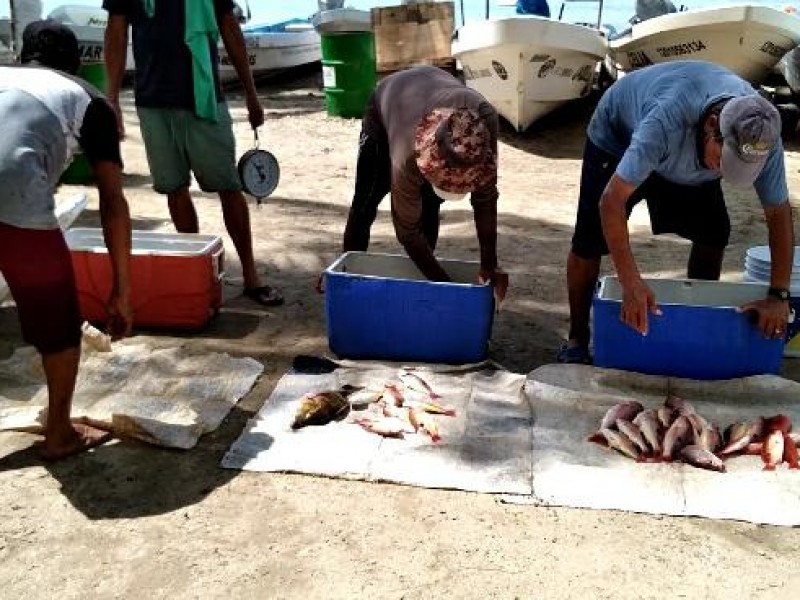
[758, 264]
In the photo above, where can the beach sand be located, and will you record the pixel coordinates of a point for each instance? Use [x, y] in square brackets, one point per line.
[135, 521]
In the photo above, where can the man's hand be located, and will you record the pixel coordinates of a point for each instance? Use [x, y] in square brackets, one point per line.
[120, 317]
[637, 301]
[499, 280]
[773, 315]
[255, 111]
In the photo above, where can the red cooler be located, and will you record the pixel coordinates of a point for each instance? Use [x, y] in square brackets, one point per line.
[176, 278]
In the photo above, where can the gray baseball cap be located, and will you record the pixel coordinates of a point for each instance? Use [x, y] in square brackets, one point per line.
[750, 128]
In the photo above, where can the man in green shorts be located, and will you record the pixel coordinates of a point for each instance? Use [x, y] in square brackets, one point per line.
[184, 119]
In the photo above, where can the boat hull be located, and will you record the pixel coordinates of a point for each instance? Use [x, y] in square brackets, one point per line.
[527, 67]
[749, 40]
[270, 53]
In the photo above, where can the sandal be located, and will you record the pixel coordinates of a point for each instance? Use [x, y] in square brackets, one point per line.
[573, 355]
[264, 295]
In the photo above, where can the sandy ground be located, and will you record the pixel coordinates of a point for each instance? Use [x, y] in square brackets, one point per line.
[135, 521]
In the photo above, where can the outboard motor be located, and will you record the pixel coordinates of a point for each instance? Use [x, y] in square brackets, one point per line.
[647, 9]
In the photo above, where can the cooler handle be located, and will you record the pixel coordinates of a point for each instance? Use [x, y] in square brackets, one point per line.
[217, 263]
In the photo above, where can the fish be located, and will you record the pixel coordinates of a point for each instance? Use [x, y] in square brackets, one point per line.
[780, 423]
[700, 457]
[361, 399]
[666, 416]
[678, 435]
[648, 423]
[709, 438]
[429, 406]
[634, 434]
[392, 394]
[320, 408]
[679, 404]
[739, 435]
[619, 442]
[402, 413]
[415, 383]
[772, 450]
[627, 410]
[698, 422]
[790, 454]
[390, 427]
[424, 423]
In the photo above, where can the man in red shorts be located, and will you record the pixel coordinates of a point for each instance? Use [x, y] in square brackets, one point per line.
[47, 115]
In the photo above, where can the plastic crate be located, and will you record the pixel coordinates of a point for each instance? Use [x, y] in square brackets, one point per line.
[176, 278]
[379, 306]
[700, 335]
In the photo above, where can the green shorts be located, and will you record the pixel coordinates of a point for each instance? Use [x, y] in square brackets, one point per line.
[179, 143]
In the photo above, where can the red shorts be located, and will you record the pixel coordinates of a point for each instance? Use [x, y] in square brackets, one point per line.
[37, 266]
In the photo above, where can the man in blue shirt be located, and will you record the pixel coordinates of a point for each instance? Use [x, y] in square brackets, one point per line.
[668, 133]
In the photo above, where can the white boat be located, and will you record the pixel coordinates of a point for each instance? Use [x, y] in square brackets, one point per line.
[747, 39]
[275, 48]
[528, 66]
[67, 211]
[789, 69]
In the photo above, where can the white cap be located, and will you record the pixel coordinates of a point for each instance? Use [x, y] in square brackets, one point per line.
[450, 196]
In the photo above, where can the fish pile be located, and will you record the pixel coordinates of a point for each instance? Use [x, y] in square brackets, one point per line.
[404, 405]
[676, 431]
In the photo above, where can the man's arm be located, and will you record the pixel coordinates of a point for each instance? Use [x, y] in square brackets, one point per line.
[407, 218]
[233, 39]
[484, 205]
[637, 297]
[116, 221]
[116, 54]
[772, 312]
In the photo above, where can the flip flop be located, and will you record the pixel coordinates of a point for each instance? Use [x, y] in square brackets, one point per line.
[264, 295]
[78, 449]
[573, 355]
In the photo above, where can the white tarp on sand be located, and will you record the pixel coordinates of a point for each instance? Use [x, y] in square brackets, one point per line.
[568, 403]
[167, 397]
[495, 445]
[485, 447]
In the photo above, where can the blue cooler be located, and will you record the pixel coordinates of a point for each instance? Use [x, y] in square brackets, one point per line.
[700, 335]
[379, 306]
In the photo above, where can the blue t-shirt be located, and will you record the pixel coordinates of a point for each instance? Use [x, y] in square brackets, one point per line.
[163, 61]
[651, 116]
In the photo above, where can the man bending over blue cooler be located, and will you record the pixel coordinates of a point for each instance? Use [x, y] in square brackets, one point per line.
[667, 134]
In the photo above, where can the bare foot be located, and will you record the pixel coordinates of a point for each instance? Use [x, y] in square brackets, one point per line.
[79, 439]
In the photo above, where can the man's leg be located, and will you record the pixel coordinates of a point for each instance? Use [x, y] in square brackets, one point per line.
[705, 262]
[62, 438]
[588, 247]
[698, 214]
[43, 286]
[182, 211]
[373, 182]
[237, 222]
[582, 274]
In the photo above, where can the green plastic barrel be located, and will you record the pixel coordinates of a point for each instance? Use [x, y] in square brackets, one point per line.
[80, 171]
[348, 72]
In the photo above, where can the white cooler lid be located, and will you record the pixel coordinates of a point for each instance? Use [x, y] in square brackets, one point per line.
[90, 239]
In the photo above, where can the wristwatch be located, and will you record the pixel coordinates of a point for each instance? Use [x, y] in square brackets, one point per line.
[779, 293]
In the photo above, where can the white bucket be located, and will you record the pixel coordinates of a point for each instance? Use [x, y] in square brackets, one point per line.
[757, 265]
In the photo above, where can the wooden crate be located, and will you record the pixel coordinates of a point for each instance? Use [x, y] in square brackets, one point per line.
[412, 34]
